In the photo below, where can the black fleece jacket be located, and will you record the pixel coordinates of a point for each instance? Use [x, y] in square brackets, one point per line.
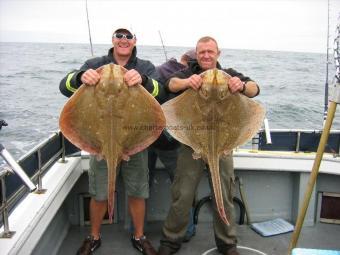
[71, 82]
[194, 68]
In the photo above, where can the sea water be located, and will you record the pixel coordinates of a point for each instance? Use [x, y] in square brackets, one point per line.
[292, 85]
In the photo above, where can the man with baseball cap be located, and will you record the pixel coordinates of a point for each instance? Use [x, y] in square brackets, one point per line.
[134, 172]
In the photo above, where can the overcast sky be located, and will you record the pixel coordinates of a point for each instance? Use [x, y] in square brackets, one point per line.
[290, 25]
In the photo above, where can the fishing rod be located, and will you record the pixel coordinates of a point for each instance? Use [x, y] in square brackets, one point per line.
[88, 26]
[327, 63]
[166, 56]
[335, 99]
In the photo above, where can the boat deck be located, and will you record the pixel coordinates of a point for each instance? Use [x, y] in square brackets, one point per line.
[115, 240]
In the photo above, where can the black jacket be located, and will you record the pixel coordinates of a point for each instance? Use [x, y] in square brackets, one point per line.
[165, 141]
[168, 68]
[71, 82]
[194, 68]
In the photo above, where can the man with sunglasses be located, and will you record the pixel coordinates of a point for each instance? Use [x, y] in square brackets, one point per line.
[135, 172]
[189, 171]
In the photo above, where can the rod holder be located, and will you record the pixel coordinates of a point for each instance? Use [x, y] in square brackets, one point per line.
[16, 168]
[336, 94]
[267, 130]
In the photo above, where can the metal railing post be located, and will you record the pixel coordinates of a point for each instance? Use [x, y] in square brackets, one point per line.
[63, 160]
[40, 190]
[298, 138]
[4, 208]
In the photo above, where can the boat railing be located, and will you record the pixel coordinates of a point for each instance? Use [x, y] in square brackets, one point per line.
[297, 140]
[38, 160]
[34, 164]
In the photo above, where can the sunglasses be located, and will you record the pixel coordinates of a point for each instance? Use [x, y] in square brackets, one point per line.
[121, 36]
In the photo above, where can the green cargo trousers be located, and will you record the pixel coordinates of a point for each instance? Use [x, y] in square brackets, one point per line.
[187, 177]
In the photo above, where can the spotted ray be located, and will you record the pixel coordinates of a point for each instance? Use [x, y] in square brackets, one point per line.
[212, 121]
[112, 120]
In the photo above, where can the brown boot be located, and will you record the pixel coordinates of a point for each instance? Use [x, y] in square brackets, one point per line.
[143, 245]
[89, 245]
[232, 251]
[164, 250]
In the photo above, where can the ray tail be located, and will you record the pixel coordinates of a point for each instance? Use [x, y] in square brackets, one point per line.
[111, 168]
[214, 168]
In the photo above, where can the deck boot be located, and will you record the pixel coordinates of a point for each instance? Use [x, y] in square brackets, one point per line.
[231, 251]
[143, 245]
[89, 246]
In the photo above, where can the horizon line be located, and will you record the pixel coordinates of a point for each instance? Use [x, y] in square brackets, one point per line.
[148, 45]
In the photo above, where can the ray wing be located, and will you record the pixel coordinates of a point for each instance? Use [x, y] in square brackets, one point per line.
[96, 119]
[184, 121]
[212, 121]
[242, 118]
[143, 123]
[79, 121]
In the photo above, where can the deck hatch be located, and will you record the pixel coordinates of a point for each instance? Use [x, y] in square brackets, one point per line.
[330, 208]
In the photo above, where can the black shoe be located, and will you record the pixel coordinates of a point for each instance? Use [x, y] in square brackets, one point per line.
[89, 246]
[143, 245]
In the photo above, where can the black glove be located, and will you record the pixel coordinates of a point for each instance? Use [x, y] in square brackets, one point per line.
[3, 123]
